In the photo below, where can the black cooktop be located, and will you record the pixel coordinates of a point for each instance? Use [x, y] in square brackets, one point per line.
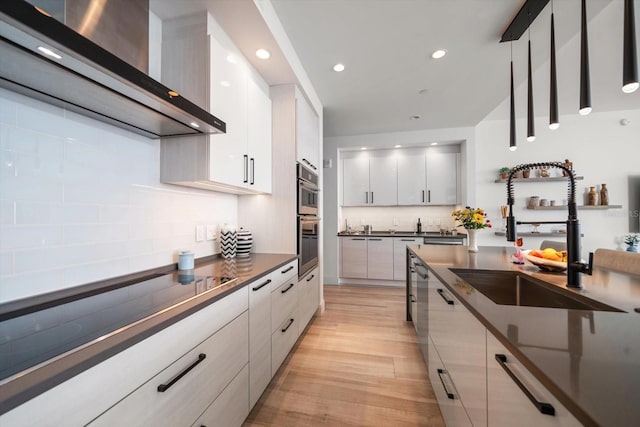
[29, 339]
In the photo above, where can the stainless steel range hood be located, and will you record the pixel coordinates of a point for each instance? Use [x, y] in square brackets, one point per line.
[88, 79]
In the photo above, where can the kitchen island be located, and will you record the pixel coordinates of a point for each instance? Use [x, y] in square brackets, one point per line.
[589, 360]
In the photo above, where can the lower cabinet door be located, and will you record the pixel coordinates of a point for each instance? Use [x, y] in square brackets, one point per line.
[309, 297]
[259, 337]
[231, 408]
[449, 401]
[182, 391]
[508, 405]
[283, 339]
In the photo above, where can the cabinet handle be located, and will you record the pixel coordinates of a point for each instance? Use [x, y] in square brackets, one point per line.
[246, 168]
[407, 240]
[366, 197]
[375, 240]
[311, 277]
[284, 291]
[372, 197]
[306, 161]
[447, 300]
[440, 373]
[253, 171]
[164, 387]
[288, 325]
[422, 196]
[287, 269]
[262, 285]
[544, 408]
[429, 196]
[358, 238]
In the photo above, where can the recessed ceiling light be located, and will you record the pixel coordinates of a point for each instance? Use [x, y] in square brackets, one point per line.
[434, 143]
[363, 148]
[338, 67]
[415, 117]
[397, 146]
[438, 54]
[263, 54]
[49, 52]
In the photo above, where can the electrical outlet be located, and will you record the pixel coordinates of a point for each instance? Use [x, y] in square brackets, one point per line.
[211, 232]
[199, 233]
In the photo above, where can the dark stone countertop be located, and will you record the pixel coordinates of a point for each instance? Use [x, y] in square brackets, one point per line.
[58, 339]
[604, 384]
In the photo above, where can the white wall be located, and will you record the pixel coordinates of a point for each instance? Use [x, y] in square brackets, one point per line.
[601, 149]
[333, 214]
[81, 201]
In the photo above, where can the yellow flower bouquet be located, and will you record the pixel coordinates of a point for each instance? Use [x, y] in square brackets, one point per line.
[471, 218]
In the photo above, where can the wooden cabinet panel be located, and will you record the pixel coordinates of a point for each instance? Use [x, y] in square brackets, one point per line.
[259, 337]
[400, 255]
[229, 409]
[309, 297]
[284, 300]
[353, 257]
[283, 339]
[380, 258]
[307, 134]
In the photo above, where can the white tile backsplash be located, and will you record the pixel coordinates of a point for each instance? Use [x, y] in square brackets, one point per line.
[81, 201]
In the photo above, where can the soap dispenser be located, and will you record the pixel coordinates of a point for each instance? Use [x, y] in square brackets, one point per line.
[419, 226]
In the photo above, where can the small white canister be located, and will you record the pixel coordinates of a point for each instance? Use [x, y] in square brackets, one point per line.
[185, 260]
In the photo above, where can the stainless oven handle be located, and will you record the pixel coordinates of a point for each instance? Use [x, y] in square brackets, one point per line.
[308, 185]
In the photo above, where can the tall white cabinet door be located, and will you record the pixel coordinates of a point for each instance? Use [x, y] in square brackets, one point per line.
[411, 179]
[380, 258]
[442, 178]
[259, 138]
[307, 134]
[355, 181]
[228, 101]
[353, 257]
[383, 181]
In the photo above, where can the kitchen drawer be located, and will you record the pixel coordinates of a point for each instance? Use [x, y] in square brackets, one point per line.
[308, 297]
[449, 401]
[191, 384]
[229, 409]
[283, 339]
[259, 336]
[284, 273]
[284, 300]
[82, 398]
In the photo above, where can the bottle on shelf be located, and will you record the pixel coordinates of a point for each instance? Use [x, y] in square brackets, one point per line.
[419, 226]
[604, 195]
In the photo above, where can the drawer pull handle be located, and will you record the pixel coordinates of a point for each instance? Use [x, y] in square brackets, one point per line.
[449, 395]
[406, 240]
[375, 240]
[358, 238]
[287, 270]
[164, 387]
[310, 278]
[447, 300]
[288, 325]
[262, 285]
[284, 291]
[544, 408]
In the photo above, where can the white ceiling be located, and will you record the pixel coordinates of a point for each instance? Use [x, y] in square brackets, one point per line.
[385, 46]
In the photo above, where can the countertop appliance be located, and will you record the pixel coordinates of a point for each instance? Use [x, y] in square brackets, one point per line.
[308, 221]
[83, 77]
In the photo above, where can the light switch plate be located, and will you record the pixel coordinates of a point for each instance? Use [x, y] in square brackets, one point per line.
[211, 232]
[199, 233]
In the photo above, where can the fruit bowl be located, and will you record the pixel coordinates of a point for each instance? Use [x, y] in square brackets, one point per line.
[545, 264]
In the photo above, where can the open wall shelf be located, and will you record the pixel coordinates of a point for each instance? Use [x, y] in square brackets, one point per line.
[538, 179]
[580, 207]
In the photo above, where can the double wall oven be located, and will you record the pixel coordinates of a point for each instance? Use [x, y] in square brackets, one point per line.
[308, 221]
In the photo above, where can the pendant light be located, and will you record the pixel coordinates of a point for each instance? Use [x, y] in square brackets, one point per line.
[585, 81]
[630, 61]
[531, 127]
[512, 135]
[554, 123]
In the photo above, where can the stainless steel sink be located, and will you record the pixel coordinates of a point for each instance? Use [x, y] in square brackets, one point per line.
[514, 288]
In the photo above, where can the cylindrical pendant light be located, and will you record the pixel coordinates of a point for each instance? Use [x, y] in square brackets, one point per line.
[630, 61]
[554, 122]
[512, 134]
[531, 127]
[585, 81]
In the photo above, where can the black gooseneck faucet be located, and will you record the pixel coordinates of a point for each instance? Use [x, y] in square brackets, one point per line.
[574, 266]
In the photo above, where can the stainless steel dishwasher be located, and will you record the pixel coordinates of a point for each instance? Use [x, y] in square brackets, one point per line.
[445, 240]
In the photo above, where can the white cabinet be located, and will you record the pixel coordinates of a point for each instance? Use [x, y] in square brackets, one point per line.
[307, 134]
[308, 297]
[183, 390]
[229, 409]
[370, 180]
[400, 255]
[238, 161]
[284, 321]
[353, 257]
[442, 178]
[508, 402]
[411, 177]
[380, 258]
[460, 341]
[259, 337]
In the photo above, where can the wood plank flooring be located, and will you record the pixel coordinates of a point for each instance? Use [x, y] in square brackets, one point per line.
[358, 364]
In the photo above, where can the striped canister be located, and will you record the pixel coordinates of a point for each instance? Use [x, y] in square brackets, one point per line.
[228, 242]
[245, 242]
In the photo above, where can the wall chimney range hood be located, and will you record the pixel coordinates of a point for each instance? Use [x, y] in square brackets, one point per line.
[89, 80]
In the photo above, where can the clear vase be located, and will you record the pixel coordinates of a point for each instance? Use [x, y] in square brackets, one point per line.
[473, 242]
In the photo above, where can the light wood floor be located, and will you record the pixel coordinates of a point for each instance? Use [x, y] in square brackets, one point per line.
[358, 364]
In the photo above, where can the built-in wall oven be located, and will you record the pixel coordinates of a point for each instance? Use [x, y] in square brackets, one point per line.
[308, 221]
